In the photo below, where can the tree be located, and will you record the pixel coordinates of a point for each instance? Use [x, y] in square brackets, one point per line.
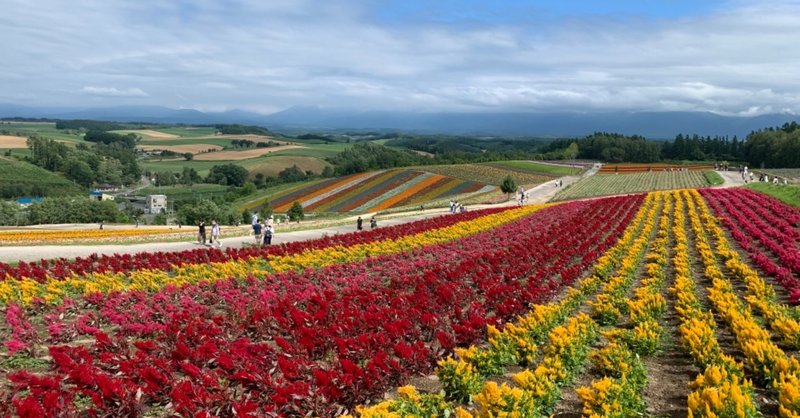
[571, 152]
[188, 156]
[508, 186]
[295, 212]
[189, 176]
[292, 174]
[230, 174]
[78, 171]
[266, 210]
[205, 210]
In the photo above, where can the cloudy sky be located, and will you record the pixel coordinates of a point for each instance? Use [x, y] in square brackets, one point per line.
[731, 57]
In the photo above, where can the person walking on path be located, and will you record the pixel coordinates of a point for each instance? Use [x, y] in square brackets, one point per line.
[359, 223]
[268, 233]
[373, 223]
[257, 232]
[201, 233]
[215, 233]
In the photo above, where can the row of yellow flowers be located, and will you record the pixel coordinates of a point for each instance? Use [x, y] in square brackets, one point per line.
[611, 304]
[537, 391]
[39, 237]
[720, 390]
[53, 290]
[619, 392]
[763, 358]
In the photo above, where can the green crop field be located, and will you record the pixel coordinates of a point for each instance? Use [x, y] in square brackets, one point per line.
[531, 166]
[612, 184]
[20, 179]
[788, 193]
[486, 173]
[43, 129]
[270, 164]
[182, 192]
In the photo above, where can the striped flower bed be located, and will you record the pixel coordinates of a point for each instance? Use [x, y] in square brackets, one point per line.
[377, 191]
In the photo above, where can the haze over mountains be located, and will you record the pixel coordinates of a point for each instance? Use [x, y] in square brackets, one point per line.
[653, 125]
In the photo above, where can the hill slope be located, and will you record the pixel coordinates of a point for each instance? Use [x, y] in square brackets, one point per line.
[20, 179]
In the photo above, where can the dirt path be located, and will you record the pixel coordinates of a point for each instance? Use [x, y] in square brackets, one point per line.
[732, 178]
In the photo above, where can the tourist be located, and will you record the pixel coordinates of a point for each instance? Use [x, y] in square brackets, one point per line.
[359, 223]
[257, 232]
[373, 223]
[201, 233]
[215, 233]
[269, 231]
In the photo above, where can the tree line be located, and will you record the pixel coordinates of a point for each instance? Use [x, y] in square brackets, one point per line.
[112, 162]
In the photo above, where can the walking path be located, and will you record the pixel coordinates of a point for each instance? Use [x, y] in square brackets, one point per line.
[539, 194]
[732, 178]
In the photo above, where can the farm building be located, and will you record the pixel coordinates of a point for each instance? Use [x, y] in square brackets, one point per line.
[156, 203]
[99, 195]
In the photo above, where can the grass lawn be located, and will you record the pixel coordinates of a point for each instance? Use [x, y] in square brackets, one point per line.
[788, 193]
[713, 177]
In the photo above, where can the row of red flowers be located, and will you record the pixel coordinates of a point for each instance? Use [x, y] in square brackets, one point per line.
[116, 263]
[765, 228]
[314, 342]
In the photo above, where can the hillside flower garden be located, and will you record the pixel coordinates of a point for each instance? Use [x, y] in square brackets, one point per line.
[508, 312]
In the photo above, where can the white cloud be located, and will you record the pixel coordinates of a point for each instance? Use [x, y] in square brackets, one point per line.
[209, 54]
[114, 92]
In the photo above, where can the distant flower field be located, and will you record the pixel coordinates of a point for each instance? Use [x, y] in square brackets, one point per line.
[639, 168]
[378, 190]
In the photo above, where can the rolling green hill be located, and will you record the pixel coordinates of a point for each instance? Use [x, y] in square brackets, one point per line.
[20, 179]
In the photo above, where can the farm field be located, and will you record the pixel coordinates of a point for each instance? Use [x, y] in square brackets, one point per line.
[13, 141]
[375, 191]
[532, 166]
[633, 305]
[44, 129]
[612, 184]
[20, 177]
[108, 235]
[488, 173]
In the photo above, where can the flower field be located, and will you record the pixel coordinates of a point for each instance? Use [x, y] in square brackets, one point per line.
[376, 191]
[641, 168]
[613, 184]
[585, 307]
[56, 237]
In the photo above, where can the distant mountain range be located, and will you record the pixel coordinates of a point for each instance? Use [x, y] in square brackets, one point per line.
[653, 125]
